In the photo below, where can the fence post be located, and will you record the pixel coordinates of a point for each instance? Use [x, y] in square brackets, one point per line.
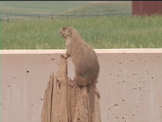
[8, 19]
[52, 17]
[38, 16]
[66, 16]
[65, 101]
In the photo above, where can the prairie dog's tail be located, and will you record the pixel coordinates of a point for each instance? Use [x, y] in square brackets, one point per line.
[95, 90]
[92, 90]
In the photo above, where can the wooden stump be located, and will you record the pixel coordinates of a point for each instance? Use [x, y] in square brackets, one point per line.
[65, 101]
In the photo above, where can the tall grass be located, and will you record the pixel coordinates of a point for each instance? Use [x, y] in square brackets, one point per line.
[100, 32]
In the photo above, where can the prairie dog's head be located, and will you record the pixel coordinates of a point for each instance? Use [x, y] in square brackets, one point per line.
[67, 32]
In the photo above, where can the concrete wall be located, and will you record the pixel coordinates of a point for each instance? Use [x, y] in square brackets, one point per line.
[130, 84]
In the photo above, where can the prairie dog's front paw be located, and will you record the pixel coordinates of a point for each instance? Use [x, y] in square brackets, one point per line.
[64, 56]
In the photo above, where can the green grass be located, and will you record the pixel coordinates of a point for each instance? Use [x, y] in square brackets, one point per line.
[0, 69]
[39, 7]
[104, 32]
[103, 7]
[61, 7]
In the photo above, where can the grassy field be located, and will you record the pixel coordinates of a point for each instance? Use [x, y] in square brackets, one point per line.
[61, 8]
[64, 7]
[104, 32]
[100, 32]
[102, 7]
[39, 7]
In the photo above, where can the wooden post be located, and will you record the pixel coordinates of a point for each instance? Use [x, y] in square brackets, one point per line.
[39, 16]
[65, 101]
[8, 19]
[52, 17]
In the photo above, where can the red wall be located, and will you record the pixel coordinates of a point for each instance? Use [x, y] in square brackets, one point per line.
[146, 7]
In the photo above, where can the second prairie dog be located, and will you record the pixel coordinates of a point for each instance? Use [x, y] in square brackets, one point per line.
[83, 56]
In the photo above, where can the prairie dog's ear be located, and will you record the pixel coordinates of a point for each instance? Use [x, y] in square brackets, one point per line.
[70, 32]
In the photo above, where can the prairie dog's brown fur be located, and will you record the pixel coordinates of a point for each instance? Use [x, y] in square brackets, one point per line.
[83, 56]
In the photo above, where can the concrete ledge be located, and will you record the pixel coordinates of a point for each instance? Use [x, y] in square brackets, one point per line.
[130, 83]
[151, 50]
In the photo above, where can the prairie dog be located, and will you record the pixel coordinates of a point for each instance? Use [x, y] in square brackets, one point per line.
[83, 56]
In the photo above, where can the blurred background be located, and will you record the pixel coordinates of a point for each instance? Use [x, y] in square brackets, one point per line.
[102, 24]
[13, 10]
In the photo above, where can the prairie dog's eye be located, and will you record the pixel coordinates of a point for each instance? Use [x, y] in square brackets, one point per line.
[64, 28]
